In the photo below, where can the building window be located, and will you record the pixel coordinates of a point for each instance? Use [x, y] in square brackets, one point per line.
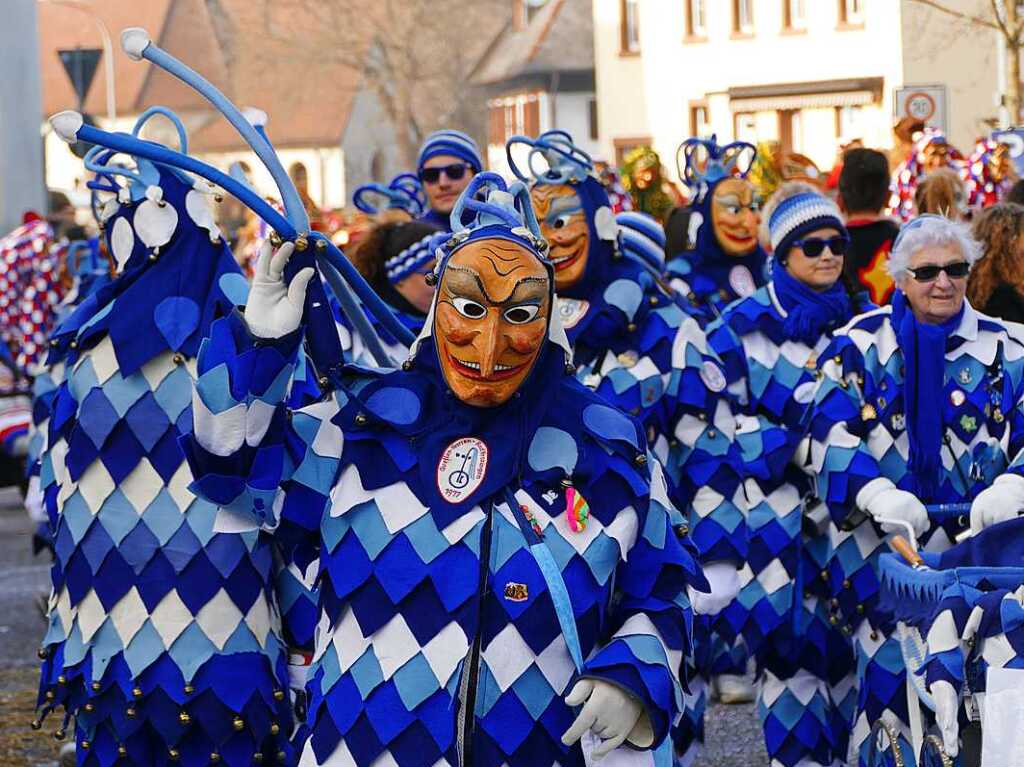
[851, 13]
[696, 25]
[743, 17]
[592, 118]
[745, 126]
[513, 116]
[791, 133]
[794, 15]
[630, 25]
[700, 124]
[850, 123]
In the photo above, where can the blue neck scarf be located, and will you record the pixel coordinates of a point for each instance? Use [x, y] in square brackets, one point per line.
[809, 314]
[924, 355]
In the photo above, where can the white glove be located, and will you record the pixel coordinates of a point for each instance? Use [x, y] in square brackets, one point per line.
[274, 309]
[612, 713]
[1002, 501]
[724, 579]
[947, 707]
[880, 498]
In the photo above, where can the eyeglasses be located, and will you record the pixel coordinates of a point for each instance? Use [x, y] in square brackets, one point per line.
[815, 246]
[955, 271]
[455, 172]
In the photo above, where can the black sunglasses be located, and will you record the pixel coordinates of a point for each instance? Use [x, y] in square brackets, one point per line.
[815, 246]
[955, 271]
[455, 172]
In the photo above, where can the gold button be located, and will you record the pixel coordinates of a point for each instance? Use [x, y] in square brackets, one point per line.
[130, 712]
[137, 692]
[846, 583]
[278, 694]
[184, 718]
[238, 724]
[189, 689]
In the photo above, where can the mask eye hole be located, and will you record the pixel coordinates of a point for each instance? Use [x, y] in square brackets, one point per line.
[520, 315]
[563, 221]
[468, 308]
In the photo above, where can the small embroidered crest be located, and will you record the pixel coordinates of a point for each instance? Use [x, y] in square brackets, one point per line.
[462, 468]
[516, 592]
[957, 397]
[965, 376]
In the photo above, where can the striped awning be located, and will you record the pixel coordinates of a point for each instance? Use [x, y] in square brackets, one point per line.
[807, 95]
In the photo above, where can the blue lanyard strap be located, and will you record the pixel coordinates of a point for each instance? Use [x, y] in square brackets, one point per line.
[553, 578]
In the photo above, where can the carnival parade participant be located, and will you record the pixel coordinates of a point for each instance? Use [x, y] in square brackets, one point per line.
[930, 152]
[996, 283]
[645, 355]
[726, 261]
[162, 642]
[919, 404]
[769, 344]
[863, 194]
[990, 173]
[497, 545]
[447, 162]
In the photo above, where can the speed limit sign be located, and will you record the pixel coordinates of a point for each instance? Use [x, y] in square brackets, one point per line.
[926, 103]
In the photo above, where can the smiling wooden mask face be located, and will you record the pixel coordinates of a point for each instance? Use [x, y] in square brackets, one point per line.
[564, 225]
[491, 320]
[735, 216]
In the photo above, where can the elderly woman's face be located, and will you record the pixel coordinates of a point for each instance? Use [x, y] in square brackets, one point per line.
[934, 298]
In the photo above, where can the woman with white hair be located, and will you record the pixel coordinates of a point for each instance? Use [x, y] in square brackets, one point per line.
[919, 404]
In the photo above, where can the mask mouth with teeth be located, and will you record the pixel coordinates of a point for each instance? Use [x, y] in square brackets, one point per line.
[491, 319]
[563, 222]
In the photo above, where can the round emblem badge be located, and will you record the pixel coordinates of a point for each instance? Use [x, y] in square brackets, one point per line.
[462, 469]
[741, 281]
[571, 311]
[712, 376]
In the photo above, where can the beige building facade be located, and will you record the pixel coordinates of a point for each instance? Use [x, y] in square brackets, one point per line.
[808, 73]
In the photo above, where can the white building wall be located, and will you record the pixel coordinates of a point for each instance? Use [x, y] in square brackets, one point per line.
[325, 167]
[572, 113]
[651, 94]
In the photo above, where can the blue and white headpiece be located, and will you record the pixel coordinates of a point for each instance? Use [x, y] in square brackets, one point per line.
[702, 163]
[450, 142]
[341, 275]
[405, 192]
[797, 215]
[411, 260]
[642, 237]
[563, 161]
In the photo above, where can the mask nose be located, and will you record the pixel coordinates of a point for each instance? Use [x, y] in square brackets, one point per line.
[487, 345]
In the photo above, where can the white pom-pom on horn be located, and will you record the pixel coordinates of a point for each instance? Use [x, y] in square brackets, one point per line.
[66, 125]
[134, 41]
[257, 118]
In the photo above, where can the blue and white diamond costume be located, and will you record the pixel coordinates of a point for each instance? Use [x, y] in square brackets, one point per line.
[861, 429]
[162, 640]
[637, 347]
[444, 637]
[805, 663]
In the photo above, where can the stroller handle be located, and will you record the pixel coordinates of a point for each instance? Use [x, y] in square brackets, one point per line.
[938, 514]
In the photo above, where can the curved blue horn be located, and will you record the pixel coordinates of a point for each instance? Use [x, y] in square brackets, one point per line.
[70, 127]
[137, 44]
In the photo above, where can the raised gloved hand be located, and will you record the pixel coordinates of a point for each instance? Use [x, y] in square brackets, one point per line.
[724, 579]
[274, 309]
[612, 713]
[947, 708]
[1002, 501]
[881, 499]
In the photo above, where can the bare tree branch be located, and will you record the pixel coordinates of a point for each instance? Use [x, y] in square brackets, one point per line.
[959, 14]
